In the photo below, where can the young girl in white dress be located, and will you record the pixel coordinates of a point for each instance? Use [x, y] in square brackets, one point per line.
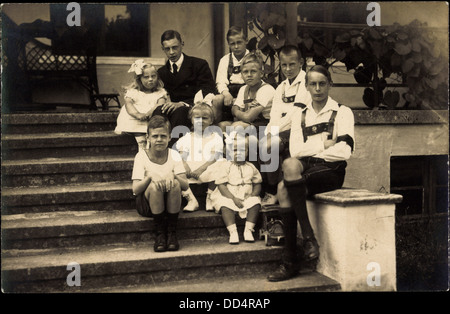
[141, 98]
[238, 189]
[201, 150]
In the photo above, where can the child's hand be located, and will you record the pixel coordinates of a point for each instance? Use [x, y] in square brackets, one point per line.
[163, 183]
[141, 116]
[188, 171]
[169, 107]
[238, 202]
[168, 185]
[197, 173]
[227, 99]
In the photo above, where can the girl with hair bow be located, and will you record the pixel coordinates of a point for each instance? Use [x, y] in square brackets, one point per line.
[142, 96]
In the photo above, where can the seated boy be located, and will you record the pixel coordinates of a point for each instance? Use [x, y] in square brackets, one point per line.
[158, 179]
[228, 78]
[288, 94]
[254, 100]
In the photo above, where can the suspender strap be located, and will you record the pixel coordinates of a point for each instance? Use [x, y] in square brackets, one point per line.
[331, 124]
[318, 128]
[231, 68]
[305, 136]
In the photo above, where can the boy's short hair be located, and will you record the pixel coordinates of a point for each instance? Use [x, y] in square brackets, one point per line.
[322, 70]
[289, 49]
[170, 34]
[235, 30]
[202, 106]
[157, 122]
[252, 57]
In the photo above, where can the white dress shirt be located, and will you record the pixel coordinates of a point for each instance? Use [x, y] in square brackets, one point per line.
[314, 145]
[222, 81]
[178, 63]
[281, 113]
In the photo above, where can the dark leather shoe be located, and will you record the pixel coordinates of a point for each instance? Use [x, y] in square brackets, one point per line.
[282, 273]
[311, 249]
[160, 243]
[172, 242]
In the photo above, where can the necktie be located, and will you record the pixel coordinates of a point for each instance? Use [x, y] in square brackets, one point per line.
[175, 68]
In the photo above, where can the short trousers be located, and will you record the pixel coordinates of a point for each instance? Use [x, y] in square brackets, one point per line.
[234, 89]
[143, 206]
[322, 176]
[226, 110]
[284, 138]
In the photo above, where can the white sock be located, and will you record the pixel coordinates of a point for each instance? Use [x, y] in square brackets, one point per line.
[141, 141]
[249, 225]
[232, 228]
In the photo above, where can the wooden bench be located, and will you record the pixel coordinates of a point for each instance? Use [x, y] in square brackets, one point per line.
[28, 62]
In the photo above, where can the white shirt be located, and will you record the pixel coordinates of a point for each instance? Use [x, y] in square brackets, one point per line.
[314, 145]
[264, 97]
[178, 63]
[222, 81]
[142, 164]
[281, 113]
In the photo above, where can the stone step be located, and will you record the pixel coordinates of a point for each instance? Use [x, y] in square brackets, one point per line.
[89, 196]
[306, 281]
[26, 123]
[124, 264]
[209, 266]
[69, 170]
[82, 228]
[58, 145]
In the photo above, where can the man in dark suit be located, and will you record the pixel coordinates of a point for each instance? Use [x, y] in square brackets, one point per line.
[183, 77]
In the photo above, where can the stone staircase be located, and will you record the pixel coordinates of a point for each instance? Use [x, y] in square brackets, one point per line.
[66, 197]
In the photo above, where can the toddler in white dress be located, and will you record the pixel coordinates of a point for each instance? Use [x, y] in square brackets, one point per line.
[202, 153]
[141, 99]
[238, 190]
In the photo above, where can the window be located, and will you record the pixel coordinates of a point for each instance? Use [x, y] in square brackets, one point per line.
[423, 182]
[334, 15]
[125, 30]
[115, 30]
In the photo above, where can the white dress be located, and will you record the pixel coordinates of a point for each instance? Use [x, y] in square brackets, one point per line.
[143, 102]
[240, 180]
[201, 149]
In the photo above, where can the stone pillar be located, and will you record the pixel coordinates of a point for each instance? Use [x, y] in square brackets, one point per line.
[356, 233]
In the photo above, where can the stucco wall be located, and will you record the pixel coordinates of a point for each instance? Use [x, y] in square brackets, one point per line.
[393, 133]
[192, 20]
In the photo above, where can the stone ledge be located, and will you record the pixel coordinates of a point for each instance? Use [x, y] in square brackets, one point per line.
[363, 117]
[59, 118]
[348, 197]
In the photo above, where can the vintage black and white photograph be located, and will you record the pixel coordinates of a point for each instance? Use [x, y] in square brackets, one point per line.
[224, 147]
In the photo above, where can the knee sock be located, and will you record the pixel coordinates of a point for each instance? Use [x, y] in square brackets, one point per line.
[289, 254]
[172, 222]
[271, 188]
[159, 221]
[297, 196]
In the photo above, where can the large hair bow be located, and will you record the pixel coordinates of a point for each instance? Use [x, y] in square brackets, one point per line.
[207, 99]
[137, 67]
